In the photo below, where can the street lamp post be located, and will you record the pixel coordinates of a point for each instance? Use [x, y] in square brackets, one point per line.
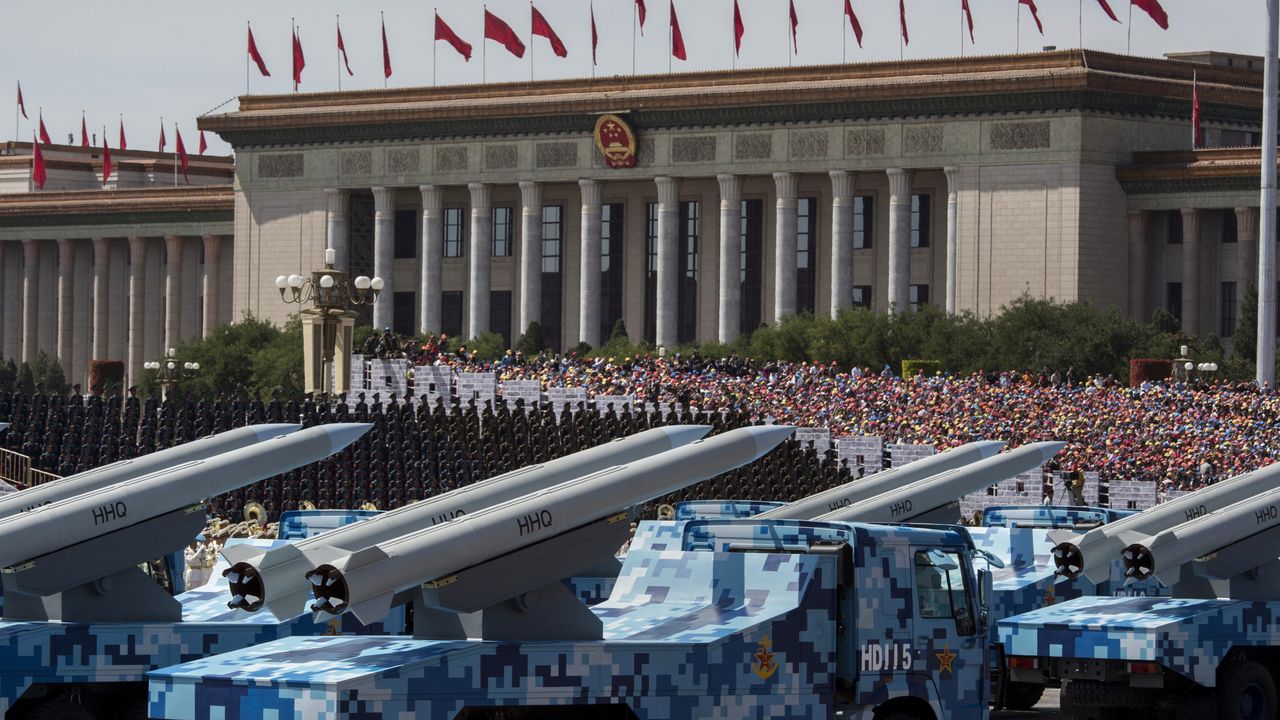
[331, 293]
[170, 371]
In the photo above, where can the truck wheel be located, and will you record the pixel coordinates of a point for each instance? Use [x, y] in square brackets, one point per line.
[1022, 696]
[59, 710]
[1246, 692]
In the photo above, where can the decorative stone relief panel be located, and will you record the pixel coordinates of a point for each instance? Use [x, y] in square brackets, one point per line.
[756, 146]
[451, 159]
[1032, 135]
[355, 162]
[863, 142]
[922, 140]
[809, 145]
[555, 155]
[402, 160]
[280, 165]
[646, 151]
[501, 157]
[693, 149]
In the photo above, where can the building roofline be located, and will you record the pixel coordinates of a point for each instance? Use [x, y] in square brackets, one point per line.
[142, 200]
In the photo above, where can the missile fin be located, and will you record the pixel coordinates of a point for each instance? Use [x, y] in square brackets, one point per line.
[372, 610]
[288, 606]
[1059, 536]
[242, 553]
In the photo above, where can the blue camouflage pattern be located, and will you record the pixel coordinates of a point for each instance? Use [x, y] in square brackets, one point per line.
[687, 633]
[1049, 516]
[723, 509]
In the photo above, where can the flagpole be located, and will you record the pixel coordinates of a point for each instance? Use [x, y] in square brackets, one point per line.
[248, 25]
[591, 6]
[17, 129]
[1266, 334]
[635, 12]
[531, 41]
[1017, 31]
[670, 34]
[385, 51]
[962, 29]
[1080, 19]
[435, 13]
[484, 51]
[175, 154]
[844, 40]
[293, 54]
[1195, 91]
[1128, 50]
[337, 24]
[787, 25]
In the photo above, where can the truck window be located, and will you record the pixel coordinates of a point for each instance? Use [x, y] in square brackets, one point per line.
[941, 588]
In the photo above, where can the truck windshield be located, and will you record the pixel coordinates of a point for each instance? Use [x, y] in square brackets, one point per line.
[942, 590]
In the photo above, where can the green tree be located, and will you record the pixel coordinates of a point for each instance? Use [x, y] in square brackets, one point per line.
[227, 356]
[489, 346]
[26, 380]
[1244, 343]
[47, 373]
[279, 363]
[1164, 321]
[8, 375]
[531, 342]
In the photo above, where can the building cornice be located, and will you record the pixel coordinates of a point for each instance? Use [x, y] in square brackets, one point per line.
[118, 207]
[1192, 171]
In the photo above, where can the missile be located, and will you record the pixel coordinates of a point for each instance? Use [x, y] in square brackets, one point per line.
[1091, 554]
[91, 516]
[1164, 555]
[810, 507]
[365, 582]
[276, 578]
[101, 477]
[4, 426]
[926, 496]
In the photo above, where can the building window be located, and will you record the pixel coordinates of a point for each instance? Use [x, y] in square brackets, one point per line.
[451, 313]
[918, 296]
[751, 273]
[552, 279]
[1227, 327]
[806, 254]
[1173, 299]
[920, 221]
[502, 232]
[651, 272]
[612, 228]
[405, 234]
[500, 314]
[687, 291]
[1173, 227]
[862, 296]
[455, 231]
[1230, 226]
[403, 307]
[864, 208]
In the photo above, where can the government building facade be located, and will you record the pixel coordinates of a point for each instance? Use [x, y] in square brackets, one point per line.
[691, 207]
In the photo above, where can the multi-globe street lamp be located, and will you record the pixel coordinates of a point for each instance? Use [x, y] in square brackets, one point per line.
[170, 371]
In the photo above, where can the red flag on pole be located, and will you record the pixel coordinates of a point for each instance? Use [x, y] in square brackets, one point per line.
[38, 173]
[641, 12]
[497, 30]
[203, 145]
[163, 142]
[968, 16]
[853, 21]
[299, 60]
[44, 134]
[21, 105]
[446, 33]
[1107, 9]
[902, 18]
[386, 52]
[677, 39]
[106, 158]
[342, 48]
[543, 28]
[123, 145]
[738, 28]
[256, 56]
[1035, 14]
[182, 153]
[84, 131]
[595, 36]
[1197, 130]
[1153, 8]
[795, 23]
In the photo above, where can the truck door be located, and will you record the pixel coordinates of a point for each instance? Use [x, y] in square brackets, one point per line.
[948, 632]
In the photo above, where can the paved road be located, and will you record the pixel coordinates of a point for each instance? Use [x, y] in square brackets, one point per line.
[1047, 709]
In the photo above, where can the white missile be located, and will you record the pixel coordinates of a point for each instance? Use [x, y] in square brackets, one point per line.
[101, 477]
[1164, 555]
[811, 507]
[934, 493]
[276, 578]
[96, 514]
[4, 426]
[1092, 553]
[366, 582]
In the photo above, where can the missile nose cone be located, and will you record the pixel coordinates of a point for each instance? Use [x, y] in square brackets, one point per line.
[768, 437]
[270, 430]
[681, 435]
[1048, 449]
[343, 434]
[989, 448]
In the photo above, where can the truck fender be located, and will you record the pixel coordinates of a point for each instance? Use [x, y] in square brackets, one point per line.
[876, 695]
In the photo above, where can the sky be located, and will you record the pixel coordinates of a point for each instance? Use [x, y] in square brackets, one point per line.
[177, 60]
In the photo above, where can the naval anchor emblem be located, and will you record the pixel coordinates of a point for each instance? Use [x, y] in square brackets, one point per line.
[765, 665]
[616, 141]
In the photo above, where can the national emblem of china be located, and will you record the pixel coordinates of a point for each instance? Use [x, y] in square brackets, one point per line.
[616, 141]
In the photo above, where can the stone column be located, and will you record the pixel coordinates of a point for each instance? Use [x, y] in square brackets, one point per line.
[137, 305]
[337, 230]
[1191, 252]
[668, 262]
[66, 301]
[172, 290]
[101, 305]
[784, 246]
[841, 241]
[431, 258]
[30, 299]
[384, 229]
[530, 254]
[1138, 265]
[953, 234]
[730, 320]
[481, 253]
[899, 239]
[209, 283]
[1246, 252]
[589, 299]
